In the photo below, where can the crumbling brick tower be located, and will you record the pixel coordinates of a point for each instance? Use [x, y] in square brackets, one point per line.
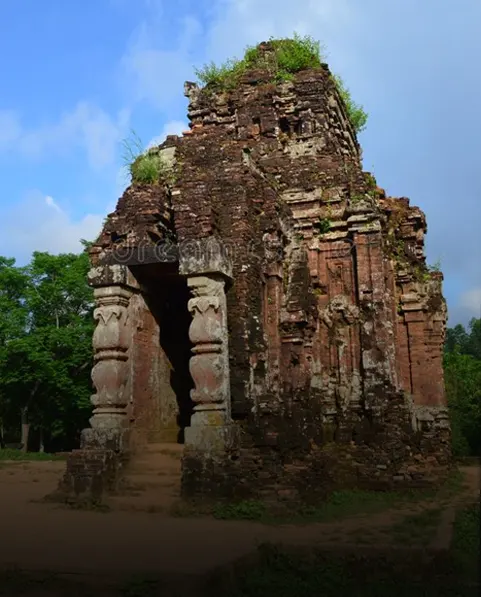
[270, 303]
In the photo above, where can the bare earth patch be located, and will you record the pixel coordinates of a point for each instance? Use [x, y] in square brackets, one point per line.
[122, 543]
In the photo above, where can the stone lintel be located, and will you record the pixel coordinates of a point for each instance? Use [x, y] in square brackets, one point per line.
[112, 275]
[205, 256]
[143, 254]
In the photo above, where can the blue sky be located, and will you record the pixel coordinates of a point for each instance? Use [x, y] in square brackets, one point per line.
[76, 77]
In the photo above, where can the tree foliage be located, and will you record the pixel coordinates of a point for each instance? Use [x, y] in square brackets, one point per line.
[45, 347]
[462, 370]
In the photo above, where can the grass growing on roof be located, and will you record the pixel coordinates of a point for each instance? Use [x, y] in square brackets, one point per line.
[356, 113]
[145, 166]
[288, 56]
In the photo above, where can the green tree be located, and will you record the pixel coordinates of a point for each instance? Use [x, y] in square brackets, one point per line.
[473, 345]
[45, 363]
[13, 322]
[456, 337]
[462, 369]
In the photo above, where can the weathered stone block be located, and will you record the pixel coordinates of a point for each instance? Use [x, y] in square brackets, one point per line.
[90, 475]
[110, 439]
[216, 440]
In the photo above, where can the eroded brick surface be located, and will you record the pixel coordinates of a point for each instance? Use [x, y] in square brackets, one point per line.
[336, 325]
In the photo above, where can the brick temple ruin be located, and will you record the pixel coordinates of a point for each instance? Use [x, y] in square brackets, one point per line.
[268, 306]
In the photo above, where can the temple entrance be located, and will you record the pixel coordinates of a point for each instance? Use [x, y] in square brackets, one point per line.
[169, 382]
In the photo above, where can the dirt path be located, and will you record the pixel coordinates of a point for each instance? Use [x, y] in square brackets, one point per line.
[45, 536]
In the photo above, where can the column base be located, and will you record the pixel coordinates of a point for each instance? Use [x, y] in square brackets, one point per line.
[105, 438]
[89, 476]
[93, 471]
[212, 439]
[209, 461]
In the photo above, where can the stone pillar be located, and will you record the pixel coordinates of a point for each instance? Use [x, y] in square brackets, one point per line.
[113, 287]
[209, 365]
[111, 342]
[212, 433]
[93, 470]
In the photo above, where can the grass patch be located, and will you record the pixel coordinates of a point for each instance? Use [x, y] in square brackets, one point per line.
[246, 510]
[15, 581]
[465, 547]
[340, 504]
[18, 455]
[417, 529]
[289, 574]
[141, 587]
[286, 58]
[145, 166]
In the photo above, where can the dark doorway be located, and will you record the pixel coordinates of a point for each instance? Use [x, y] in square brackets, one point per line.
[166, 294]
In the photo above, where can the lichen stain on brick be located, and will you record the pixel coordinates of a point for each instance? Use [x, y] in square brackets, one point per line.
[334, 324]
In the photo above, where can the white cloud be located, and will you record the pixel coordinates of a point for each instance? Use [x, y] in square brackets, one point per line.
[122, 180]
[51, 202]
[38, 223]
[173, 127]
[87, 126]
[471, 301]
[157, 75]
[10, 128]
[154, 74]
[241, 22]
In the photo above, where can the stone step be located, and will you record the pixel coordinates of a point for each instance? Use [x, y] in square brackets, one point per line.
[155, 458]
[151, 481]
[169, 449]
[144, 503]
[153, 473]
[148, 484]
[143, 481]
[154, 469]
[157, 464]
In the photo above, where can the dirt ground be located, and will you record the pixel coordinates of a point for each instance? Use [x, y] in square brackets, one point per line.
[45, 536]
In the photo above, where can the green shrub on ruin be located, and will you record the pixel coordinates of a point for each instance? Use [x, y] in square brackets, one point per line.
[288, 57]
[356, 113]
[144, 166]
[435, 267]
